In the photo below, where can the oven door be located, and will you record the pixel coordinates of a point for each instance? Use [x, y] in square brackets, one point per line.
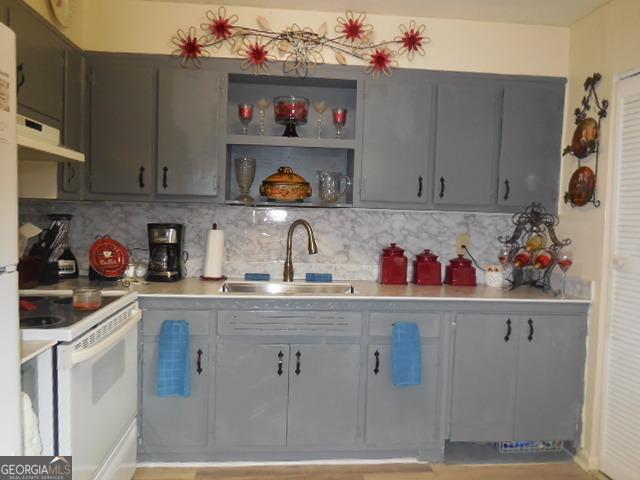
[98, 377]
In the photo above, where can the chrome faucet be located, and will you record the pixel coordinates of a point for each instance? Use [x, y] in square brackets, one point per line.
[313, 247]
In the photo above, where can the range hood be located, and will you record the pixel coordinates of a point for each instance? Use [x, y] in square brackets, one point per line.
[37, 141]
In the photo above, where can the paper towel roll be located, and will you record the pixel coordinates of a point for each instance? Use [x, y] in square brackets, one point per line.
[214, 255]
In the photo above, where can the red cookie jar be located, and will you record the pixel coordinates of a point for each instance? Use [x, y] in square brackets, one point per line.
[393, 266]
[460, 272]
[427, 269]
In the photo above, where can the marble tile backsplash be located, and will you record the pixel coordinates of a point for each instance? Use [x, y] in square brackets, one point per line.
[349, 240]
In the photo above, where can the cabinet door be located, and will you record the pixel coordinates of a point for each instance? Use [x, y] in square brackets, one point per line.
[188, 137]
[122, 126]
[70, 177]
[251, 394]
[323, 394]
[40, 62]
[396, 147]
[397, 416]
[175, 421]
[550, 379]
[530, 150]
[74, 81]
[484, 378]
[467, 129]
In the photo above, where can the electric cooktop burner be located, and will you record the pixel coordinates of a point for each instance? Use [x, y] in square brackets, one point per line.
[53, 312]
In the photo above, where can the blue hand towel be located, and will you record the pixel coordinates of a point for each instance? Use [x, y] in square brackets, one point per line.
[174, 365]
[406, 355]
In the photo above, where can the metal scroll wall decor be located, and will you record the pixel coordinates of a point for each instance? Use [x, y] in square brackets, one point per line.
[586, 142]
[299, 48]
[533, 250]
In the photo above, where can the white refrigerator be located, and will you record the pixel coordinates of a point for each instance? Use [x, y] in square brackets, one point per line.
[10, 400]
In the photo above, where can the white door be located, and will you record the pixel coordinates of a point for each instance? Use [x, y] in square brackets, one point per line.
[621, 433]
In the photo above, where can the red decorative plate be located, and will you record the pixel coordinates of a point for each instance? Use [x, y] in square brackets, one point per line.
[108, 257]
[581, 186]
[585, 137]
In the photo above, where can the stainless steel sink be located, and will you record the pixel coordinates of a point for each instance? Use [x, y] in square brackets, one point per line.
[288, 288]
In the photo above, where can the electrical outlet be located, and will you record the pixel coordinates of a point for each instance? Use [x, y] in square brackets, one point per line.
[463, 239]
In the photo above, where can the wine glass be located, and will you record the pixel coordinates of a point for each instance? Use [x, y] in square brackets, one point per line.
[320, 107]
[262, 104]
[339, 116]
[245, 174]
[245, 113]
[565, 260]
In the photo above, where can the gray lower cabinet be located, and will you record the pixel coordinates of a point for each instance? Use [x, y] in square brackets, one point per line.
[323, 395]
[524, 371]
[251, 394]
[175, 421]
[122, 126]
[530, 151]
[397, 417]
[467, 139]
[397, 141]
[188, 133]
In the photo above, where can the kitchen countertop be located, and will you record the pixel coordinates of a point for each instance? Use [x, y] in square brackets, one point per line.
[32, 348]
[194, 287]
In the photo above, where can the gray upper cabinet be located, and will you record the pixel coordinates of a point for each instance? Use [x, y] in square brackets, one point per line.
[397, 141]
[550, 366]
[530, 150]
[401, 416]
[251, 394]
[323, 394]
[122, 97]
[484, 378]
[467, 133]
[40, 62]
[188, 133]
[74, 89]
[175, 421]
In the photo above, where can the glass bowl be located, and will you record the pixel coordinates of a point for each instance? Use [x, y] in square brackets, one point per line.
[291, 111]
[87, 298]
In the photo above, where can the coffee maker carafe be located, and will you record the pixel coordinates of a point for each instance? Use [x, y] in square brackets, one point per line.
[165, 252]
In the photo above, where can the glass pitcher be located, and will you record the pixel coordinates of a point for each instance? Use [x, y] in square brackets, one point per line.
[330, 186]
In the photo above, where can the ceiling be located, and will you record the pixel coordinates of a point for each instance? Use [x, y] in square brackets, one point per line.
[537, 12]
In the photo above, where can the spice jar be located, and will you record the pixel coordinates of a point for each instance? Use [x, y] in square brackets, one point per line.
[393, 266]
[427, 269]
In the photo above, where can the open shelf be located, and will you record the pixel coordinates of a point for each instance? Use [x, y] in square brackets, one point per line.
[308, 204]
[307, 142]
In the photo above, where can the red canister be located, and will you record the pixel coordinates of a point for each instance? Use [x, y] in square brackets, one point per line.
[427, 269]
[460, 272]
[393, 266]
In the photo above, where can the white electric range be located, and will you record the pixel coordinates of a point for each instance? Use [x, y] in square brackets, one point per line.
[95, 387]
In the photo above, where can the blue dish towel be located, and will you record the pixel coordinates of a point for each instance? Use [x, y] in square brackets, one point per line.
[174, 363]
[406, 355]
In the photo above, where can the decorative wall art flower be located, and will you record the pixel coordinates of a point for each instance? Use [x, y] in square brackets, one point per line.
[300, 48]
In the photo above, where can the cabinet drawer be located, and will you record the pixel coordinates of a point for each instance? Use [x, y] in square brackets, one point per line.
[381, 324]
[326, 324]
[199, 320]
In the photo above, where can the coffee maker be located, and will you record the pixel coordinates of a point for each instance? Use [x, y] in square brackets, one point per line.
[165, 252]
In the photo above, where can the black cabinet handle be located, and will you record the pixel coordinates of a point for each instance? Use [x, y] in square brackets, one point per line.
[507, 190]
[280, 355]
[420, 186]
[72, 172]
[199, 363]
[508, 335]
[376, 370]
[21, 76]
[164, 177]
[141, 177]
[441, 194]
[530, 337]
[298, 369]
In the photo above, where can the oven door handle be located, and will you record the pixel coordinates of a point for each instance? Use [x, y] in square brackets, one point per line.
[107, 343]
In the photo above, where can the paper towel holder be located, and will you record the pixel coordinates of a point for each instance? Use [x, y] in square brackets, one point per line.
[213, 279]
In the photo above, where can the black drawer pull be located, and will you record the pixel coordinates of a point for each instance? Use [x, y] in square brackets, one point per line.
[141, 177]
[376, 370]
[530, 337]
[165, 170]
[280, 355]
[199, 367]
[507, 190]
[298, 369]
[508, 335]
[72, 172]
[441, 194]
[420, 186]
